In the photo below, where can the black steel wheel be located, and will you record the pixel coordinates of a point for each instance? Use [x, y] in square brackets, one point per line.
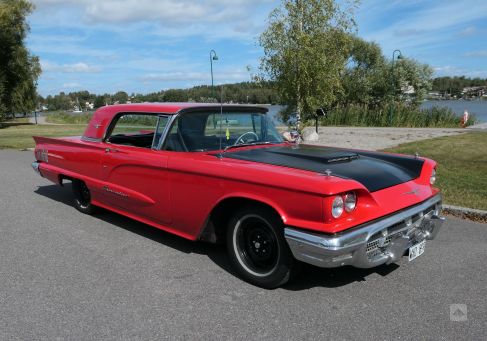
[257, 248]
[82, 197]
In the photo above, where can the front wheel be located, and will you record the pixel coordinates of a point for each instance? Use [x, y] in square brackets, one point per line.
[82, 197]
[258, 249]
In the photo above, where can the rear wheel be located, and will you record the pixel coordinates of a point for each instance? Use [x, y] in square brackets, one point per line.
[258, 249]
[82, 197]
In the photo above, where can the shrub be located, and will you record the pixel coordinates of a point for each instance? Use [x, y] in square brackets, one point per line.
[392, 115]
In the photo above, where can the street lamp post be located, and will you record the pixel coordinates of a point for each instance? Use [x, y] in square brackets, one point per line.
[399, 56]
[213, 57]
[393, 87]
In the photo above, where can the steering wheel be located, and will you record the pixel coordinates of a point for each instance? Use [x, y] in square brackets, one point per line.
[240, 139]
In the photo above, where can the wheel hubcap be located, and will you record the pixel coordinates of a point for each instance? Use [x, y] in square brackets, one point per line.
[256, 245]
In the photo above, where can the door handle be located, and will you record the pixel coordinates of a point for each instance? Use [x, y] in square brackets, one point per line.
[108, 150]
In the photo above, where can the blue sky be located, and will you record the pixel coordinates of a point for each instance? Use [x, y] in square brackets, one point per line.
[148, 45]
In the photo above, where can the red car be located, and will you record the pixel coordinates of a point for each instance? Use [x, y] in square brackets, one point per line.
[224, 174]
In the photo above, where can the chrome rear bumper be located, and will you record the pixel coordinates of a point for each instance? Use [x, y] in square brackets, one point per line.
[35, 167]
[371, 244]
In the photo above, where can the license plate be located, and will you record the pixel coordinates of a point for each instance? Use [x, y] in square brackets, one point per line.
[416, 250]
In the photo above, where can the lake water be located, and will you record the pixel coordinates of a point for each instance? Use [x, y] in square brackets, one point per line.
[479, 108]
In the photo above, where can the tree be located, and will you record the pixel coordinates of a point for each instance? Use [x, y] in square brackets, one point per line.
[412, 80]
[305, 48]
[99, 102]
[121, 97]
[175, 95]
[19, 69]
[369, 79]
[364, 79]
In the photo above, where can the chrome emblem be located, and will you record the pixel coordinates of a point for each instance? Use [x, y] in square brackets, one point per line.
[109, 190]
[414, 191]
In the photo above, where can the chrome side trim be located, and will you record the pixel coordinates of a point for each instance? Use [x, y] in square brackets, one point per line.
[90, 139]
[350, 247]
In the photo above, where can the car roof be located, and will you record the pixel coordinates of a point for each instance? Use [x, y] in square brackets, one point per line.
[173, 108]
[104, 116]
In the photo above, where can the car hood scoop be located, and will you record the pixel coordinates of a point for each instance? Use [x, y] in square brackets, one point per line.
[374, 170]
[329, 157]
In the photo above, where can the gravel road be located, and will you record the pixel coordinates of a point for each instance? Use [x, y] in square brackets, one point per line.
[69, 276]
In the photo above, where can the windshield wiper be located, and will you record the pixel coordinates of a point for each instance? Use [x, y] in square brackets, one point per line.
[220, 155]
[246, 145]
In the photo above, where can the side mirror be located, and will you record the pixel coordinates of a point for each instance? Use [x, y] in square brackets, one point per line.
[291, 136]
[294, 135]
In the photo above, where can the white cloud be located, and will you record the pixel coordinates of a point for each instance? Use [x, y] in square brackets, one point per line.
[435, 22]
[221, 77]
[409, 32]
[71, 86]
[448, 70]
[184, 16]
[69, 68]
[468, 31]
[481, 54]
[458, 71]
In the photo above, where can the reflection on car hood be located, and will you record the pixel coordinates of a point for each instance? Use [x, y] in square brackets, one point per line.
[375, 171]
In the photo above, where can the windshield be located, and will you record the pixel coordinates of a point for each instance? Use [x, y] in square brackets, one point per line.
[206, 131]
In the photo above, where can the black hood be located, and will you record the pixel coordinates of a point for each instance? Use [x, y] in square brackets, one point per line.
[375, 171]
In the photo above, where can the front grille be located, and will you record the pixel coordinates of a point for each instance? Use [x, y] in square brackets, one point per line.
[379, 242]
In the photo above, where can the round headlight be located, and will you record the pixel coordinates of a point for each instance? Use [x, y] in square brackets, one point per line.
[350, 201]
[433, 177]
[337, 206]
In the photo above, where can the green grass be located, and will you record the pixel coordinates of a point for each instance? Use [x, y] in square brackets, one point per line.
[20, 136]
[462, 166]
[61, 117]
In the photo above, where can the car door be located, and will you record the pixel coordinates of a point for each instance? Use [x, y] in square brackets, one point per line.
[135, 172]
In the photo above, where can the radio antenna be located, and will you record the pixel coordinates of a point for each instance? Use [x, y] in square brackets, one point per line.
[221, 116]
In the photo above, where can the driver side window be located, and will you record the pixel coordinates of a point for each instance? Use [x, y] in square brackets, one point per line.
[138, 130]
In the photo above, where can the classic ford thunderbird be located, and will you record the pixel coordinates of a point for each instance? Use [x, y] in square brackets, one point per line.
[224, 174]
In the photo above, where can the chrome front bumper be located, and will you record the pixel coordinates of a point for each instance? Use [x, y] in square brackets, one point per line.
[365, 246]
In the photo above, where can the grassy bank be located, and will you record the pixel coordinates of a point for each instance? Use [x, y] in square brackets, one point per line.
[462, 166]
[65, 118]
[19, 136]
[397, 115]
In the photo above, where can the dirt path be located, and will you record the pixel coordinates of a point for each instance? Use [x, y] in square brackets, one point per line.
[376, 138]
[478, 126]
[40, 120]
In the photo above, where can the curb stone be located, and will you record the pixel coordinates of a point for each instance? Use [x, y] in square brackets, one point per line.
[466, 213]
